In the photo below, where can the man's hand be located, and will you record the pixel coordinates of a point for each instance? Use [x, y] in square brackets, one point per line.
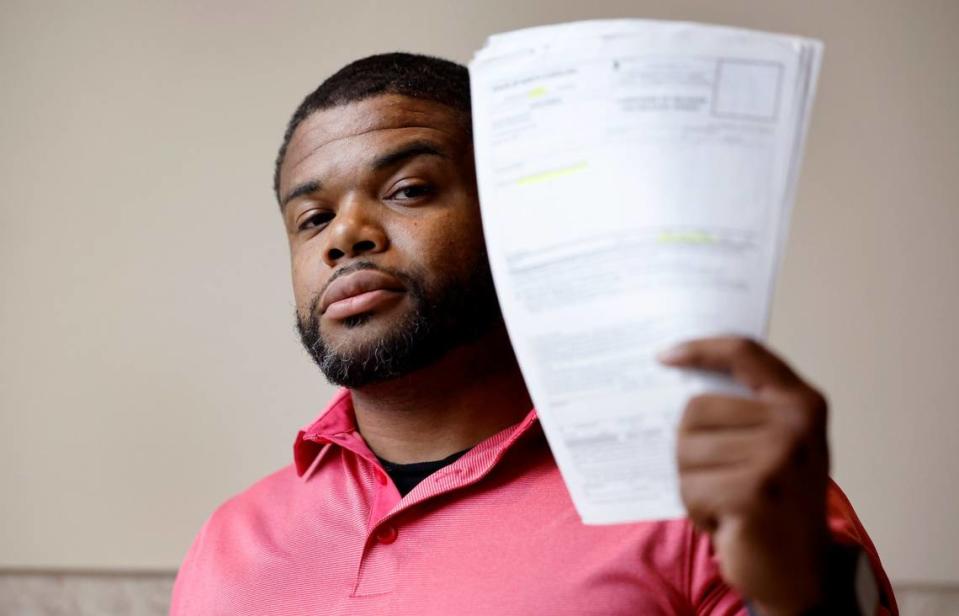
[754, 472]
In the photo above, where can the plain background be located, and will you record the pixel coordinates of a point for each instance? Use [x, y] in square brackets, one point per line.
[148, 363]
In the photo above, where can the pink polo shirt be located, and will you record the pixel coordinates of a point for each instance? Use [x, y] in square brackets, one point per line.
[492, 534]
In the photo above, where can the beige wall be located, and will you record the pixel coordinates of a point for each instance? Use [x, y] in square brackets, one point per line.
[148, 365]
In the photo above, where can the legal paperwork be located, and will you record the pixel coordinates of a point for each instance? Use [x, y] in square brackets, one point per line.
[635, 182]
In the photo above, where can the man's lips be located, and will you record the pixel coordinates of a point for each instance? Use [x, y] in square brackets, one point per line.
[359, 292]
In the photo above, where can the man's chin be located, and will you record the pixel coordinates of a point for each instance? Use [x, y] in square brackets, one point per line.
[398, 338]
[357, 331]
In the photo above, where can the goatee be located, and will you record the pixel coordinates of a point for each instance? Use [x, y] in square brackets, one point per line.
[450, 314]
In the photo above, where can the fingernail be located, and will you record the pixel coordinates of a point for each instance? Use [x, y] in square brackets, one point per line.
[671, 355]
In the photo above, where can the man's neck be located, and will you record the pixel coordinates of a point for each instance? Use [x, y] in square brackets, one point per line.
[470, 394]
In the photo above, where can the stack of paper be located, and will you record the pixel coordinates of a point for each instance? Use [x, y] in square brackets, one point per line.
[635, 182]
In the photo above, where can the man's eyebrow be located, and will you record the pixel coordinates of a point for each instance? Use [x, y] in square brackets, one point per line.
[407, 151]
[303, 189]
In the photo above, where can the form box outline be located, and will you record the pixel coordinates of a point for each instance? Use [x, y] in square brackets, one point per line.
[773, 115]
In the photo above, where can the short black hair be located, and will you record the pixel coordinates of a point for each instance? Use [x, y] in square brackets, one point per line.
[407, 74]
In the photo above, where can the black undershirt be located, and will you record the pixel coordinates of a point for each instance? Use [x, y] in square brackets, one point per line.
[407, 476]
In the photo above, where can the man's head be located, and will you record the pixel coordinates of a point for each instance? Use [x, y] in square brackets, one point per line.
[376, 184]
[411, 75]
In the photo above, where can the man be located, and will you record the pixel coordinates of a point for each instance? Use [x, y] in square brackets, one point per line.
[426, 487]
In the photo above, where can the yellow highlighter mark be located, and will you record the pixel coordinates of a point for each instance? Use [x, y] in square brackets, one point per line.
[686, 237]
[537, 92]
[551, 174]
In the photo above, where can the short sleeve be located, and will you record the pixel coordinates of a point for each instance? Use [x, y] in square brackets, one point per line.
[709, 594]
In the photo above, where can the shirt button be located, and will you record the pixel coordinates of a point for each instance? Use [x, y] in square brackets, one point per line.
[381, 478]
[386, 535]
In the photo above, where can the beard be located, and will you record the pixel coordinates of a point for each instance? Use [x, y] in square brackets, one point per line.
[452, 313]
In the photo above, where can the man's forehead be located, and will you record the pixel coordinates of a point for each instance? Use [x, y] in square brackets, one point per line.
[386, 115]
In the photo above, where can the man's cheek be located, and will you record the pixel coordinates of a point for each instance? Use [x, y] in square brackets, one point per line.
[307, 283]
[302, 298]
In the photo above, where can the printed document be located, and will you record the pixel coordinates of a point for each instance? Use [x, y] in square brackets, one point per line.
[635, 182]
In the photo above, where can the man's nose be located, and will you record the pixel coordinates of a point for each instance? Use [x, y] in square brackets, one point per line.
[353, 232]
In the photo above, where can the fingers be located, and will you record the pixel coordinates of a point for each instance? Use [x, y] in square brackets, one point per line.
[796, 402]
[745, 360]
[714, 451]
[717, 431]
[719, 412]
[753, 470]
[710, 495]
[734, 455]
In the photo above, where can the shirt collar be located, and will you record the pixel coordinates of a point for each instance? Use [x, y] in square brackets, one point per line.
[337, 423]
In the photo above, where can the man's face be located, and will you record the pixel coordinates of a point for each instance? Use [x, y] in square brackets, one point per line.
[389, 266]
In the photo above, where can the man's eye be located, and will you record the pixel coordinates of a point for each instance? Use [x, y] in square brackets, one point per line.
[315, 220]
[415, 191]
